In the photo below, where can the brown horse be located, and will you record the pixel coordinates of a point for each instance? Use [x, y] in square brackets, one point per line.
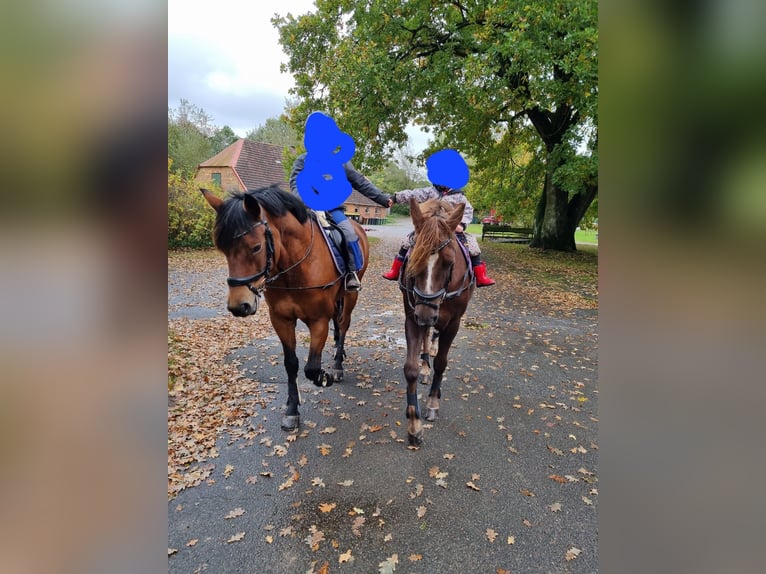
[272, 244]
[437, 283]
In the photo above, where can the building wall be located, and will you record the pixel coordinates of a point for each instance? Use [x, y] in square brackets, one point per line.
[366, 214]
[229, 180]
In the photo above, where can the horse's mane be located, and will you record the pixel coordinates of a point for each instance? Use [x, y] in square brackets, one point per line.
[232, 220]
[430, 235]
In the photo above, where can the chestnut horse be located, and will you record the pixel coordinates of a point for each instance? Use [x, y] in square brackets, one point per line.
[437, 283]
[273, 246]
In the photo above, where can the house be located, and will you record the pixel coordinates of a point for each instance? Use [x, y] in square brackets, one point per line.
[244, 165]
[247, 164]
[364, 210]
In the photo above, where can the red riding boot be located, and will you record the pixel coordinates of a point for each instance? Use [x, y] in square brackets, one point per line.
[393, 273]
[481, 275]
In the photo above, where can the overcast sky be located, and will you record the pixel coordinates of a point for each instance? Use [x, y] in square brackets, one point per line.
[224, 57]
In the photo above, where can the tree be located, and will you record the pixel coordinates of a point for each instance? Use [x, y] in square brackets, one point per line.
[190, 133]
[490, 78]
[275, 131]
[222, 138]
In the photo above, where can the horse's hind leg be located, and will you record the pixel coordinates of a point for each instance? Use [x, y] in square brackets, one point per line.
[341, 322]
[440, 364]
[336, 373]
[313, 369]
[430, 348]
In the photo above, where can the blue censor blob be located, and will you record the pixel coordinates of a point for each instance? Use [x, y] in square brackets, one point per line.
[322, 184]
[448, 168]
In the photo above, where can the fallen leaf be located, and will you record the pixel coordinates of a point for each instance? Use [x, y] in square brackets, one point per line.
[348, 482]
[415, 557]
[251, 479]
[236, 538]
[526, 523]
[511, 540]
[327, 506]
[345, 557]
[433, 471]
[555, 507]
[192, 542]
[235, 513]
[449, 456]
[557, 478]
[587, 500]
[358, 522]
[316, 481]
[287, 531]
[314, 538]
[572, 553]
[327, 430]
[388, 566]
[502, 571]
[441, 482]
[228, 470]
[172, 551]
[491, 534]
[388, 537]
[421, 511]
[269, 539]
[324, 449]
[472, 486]
[324, 568]
[475, 476]
[526, 492]
[303, 460]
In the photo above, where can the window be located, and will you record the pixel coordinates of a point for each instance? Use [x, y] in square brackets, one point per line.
[217, 179]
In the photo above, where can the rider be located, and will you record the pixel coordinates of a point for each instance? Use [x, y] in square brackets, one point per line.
[449, 195]
[366, 188]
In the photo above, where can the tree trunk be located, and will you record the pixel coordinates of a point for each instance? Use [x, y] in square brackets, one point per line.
[555, 220]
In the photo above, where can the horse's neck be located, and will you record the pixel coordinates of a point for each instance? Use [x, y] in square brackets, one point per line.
[292, 240]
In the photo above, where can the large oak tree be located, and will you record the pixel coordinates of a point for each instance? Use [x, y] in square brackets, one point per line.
[491, 78]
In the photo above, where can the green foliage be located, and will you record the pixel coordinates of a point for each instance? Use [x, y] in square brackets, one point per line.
[276, 131]
[190, 218]
[190, 133]
[512, 85]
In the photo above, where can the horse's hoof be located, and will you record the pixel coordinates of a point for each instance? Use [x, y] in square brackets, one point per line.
[336, 375]
[415, 439]
[431, 414]
[324, 380]
[291, 422]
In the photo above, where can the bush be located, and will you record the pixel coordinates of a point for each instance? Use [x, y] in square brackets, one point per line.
[190, 218]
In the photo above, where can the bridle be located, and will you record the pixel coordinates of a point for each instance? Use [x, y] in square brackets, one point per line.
[416, 297]
[250, 279]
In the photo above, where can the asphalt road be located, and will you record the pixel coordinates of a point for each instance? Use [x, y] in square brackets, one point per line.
[506, 480]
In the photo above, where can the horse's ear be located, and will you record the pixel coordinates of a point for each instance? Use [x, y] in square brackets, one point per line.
[214, 201]
[252, 207]
[415, 213]
[456, 215]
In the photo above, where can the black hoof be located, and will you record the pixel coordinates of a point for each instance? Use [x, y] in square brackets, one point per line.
[415, 439]
[290, 422]
[431, 414]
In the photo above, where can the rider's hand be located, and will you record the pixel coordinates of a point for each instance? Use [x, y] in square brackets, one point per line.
[460, 228]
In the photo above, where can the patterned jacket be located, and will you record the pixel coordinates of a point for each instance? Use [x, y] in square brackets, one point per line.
[422, 194]
[357, 180]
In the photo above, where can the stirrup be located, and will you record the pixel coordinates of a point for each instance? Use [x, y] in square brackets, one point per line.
[351, 282]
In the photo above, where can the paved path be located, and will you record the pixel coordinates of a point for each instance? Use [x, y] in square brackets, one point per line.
[505, 481]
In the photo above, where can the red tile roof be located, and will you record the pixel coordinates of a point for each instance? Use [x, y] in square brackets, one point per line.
[257, 164]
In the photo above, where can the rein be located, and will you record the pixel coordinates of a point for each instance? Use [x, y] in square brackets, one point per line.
[248, 281]
[416, 297]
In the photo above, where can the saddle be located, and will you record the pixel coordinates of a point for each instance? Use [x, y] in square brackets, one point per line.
[334, 239]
